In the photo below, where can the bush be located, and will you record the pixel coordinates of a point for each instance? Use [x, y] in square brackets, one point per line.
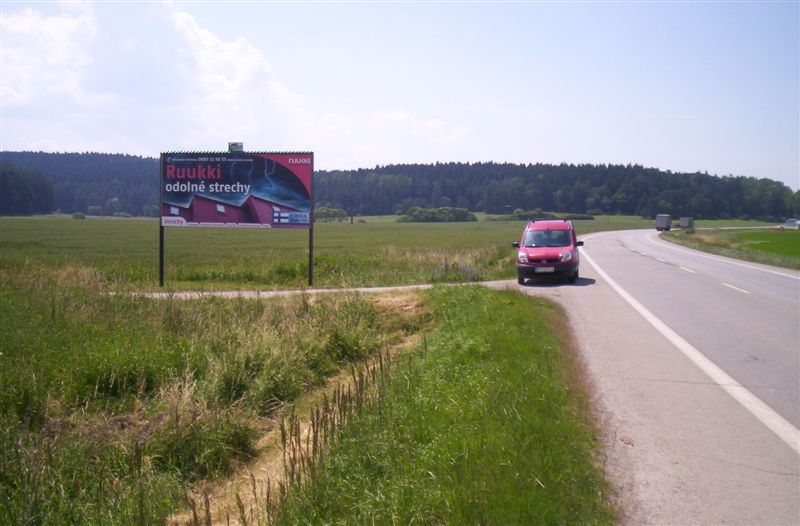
[327, 215]
[445, 214]
[78, 215]
[577, 217]
[537, 214]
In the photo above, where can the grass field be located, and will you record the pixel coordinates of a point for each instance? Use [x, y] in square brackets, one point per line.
[112, 405]
[373, 252]
[483, 424]
[771, 247]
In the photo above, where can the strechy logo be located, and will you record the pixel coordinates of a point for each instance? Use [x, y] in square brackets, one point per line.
[299, 160]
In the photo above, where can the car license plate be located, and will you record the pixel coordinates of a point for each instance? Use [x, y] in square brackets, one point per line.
[545, 270]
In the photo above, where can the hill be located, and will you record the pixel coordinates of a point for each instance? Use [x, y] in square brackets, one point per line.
[110, 184]
[502, 188]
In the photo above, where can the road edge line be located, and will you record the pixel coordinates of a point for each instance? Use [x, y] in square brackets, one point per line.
[765, 414]
[710, 255]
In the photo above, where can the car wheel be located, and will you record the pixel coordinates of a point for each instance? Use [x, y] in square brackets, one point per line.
[520, 279]
[574, 277]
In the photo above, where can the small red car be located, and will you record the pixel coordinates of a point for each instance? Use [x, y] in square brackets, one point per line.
[548, 248]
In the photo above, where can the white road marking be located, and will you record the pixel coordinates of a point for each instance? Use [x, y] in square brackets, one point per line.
[736, 288]
[688, 270]
[722, 259]
[765, 414]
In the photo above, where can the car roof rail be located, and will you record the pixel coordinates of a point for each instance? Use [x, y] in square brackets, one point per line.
[548, 219]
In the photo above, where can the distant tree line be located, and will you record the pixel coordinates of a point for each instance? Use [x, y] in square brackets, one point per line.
[23, 192]
[537, 213]
[113, 184]
[595, 189]
[96, 183]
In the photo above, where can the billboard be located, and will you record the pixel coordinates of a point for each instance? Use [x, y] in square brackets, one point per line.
[237, 189]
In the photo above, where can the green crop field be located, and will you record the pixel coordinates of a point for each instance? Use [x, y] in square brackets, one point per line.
[369, 252]
[768, 246]
[372, 251]
[786, 243]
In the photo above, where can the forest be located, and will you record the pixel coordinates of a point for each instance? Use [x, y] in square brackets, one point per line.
[595, 189]
[117, 184]
[23, 192]
[95, 183]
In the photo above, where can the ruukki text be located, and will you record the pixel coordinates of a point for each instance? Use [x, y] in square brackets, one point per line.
[207, 171]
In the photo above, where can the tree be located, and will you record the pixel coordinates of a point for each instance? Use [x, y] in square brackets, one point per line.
[436, 215]
[91, 179]
[325, 214]
[24, 192]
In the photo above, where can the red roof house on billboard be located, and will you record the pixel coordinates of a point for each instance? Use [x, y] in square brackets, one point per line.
[204, 210]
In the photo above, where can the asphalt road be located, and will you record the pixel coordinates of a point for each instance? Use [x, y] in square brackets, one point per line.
[743, 317]
[695, 364]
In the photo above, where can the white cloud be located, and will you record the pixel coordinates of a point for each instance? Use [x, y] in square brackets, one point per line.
[44, 57]
[234, 90]
[239, 88]
[143, 79]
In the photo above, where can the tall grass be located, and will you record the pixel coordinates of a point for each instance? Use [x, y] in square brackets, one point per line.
[483, 424]
[111, 404]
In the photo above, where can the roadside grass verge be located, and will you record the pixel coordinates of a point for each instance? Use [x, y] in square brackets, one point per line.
[113, 405]
[485, 422]
[770, 247]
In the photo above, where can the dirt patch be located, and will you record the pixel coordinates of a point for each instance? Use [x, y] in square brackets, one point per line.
[242, 498]
[406, 302]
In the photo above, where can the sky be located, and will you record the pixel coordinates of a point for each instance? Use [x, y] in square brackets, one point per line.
[683, 86]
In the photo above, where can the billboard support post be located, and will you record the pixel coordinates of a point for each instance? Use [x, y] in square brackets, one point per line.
[160, 255]
[311, 257]
[311, 230]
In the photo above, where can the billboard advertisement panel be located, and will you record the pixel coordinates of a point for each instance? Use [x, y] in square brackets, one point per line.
[237, 189]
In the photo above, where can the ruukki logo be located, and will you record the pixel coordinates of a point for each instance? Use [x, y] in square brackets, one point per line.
[299, 160]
